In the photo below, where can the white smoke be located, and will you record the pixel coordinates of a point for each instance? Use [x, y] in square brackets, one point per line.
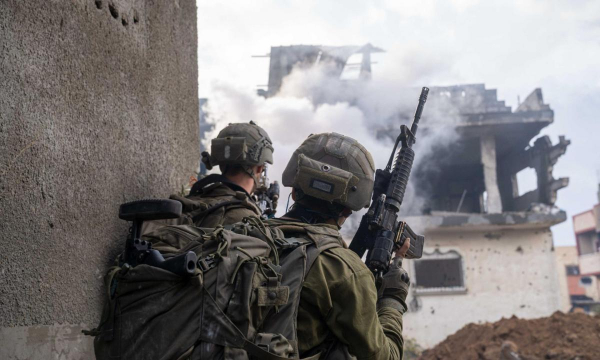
[312, 101]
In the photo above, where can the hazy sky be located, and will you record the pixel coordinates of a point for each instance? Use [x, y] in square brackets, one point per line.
[512, 46]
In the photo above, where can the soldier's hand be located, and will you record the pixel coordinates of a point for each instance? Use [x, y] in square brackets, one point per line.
[404, 249]
[394, 287]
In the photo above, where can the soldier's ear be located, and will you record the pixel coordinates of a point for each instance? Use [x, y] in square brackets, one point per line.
[346, 212]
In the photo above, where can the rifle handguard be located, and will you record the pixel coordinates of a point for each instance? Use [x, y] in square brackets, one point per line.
[381, 254]
[400, 175]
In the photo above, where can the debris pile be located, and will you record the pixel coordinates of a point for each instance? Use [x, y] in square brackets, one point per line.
[560, 336]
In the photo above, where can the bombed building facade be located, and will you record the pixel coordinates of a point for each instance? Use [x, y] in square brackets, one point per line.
[489, 249]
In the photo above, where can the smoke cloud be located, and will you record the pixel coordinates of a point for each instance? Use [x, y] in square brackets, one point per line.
[312, 101]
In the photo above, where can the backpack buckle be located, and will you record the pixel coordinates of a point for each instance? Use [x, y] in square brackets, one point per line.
[285, 244]
[207, 263]
[265, 347]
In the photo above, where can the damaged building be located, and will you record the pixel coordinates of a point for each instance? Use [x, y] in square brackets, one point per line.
[489, 249]
[284, 59]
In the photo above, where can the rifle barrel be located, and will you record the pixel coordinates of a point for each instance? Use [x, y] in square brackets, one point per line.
[422, 100]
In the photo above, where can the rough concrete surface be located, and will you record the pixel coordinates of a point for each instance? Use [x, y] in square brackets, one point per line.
[98, 105]
[45, 342]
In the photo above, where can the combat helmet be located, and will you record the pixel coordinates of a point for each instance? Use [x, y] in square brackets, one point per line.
[334, 168]
[240, 144]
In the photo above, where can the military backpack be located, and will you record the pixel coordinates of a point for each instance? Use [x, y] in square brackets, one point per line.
[241, 303]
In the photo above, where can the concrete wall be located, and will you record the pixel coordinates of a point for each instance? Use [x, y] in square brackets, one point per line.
[589, 264]
[507, 272]
[98, 105]
[584, 222]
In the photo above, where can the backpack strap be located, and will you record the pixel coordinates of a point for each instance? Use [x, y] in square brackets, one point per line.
[202, 214]
[312, 252]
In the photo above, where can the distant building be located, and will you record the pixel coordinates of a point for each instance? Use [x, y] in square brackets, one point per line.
[579, 291]
[283, 59]
[587, 234]
[203, 127]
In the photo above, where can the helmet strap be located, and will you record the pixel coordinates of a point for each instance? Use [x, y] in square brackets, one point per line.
[250, 171]
[309, 215]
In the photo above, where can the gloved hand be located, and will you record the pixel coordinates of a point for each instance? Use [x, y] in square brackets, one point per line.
[394, 287]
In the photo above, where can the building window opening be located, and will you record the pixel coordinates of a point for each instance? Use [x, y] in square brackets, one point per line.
[440, 273]
[585, 281]
[588, 243]
[351, 69]
[526, 181]
[572, 270]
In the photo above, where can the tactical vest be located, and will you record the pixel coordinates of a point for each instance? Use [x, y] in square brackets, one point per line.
[242, 302]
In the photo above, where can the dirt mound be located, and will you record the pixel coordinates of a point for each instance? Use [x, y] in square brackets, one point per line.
[560, 336]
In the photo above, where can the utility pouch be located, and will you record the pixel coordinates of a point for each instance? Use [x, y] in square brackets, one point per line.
[322, 180]
[229, 149]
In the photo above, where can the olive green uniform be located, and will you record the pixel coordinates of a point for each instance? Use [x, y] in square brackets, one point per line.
[338, 301]
[229, 202]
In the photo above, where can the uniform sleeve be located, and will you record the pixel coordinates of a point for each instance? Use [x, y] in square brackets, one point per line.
[341, 288]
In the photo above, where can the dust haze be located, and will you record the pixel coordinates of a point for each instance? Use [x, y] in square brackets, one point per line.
[312, 101]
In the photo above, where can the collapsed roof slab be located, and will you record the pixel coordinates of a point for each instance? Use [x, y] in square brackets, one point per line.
[449, 221]
[512, 130]
[476, 112]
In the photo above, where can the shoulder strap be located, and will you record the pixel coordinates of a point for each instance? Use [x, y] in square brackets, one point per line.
[323, 237]
[312, 252]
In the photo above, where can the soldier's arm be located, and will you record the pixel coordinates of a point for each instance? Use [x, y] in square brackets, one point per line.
[347, 302]
[391, 323]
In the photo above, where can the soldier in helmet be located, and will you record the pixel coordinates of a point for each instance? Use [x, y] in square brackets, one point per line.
[241, 151]
[341, 313]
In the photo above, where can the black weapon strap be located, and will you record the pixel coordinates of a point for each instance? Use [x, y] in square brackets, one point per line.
[204, 213]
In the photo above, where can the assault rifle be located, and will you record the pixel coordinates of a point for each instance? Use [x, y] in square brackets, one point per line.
[380, 233]
[266, 196]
